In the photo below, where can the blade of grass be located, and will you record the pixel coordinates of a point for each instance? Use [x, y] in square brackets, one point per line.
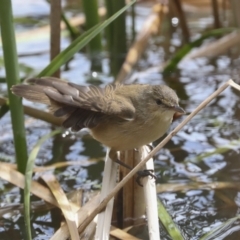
[28, 179]
[218, 232]
[168, 223]
[79, 43]
[73, 31]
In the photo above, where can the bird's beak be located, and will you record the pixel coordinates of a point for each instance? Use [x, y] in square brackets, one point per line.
[179, 109]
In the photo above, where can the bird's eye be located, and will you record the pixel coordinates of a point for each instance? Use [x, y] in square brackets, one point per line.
[159, 102]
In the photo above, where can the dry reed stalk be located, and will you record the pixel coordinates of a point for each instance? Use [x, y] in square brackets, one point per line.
[235, 85]
[215, 9]
[215, 48]
[150, 196]
[130, 200]
[63, 203]
[104, 202]
[151, 26]
[108, 183]
[55, 31]
[171, 187]
[120, 234]
[126, 199]
[9, 174]
[63, 232]
[133, 204]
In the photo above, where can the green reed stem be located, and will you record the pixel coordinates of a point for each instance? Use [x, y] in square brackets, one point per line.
[116, 35]
[12, 77]
[92, 19]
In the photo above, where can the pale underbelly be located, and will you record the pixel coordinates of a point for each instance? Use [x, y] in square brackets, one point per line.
[129, 135]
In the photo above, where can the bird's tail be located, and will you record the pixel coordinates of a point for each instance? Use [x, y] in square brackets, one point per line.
[31, 92]
[36, 89]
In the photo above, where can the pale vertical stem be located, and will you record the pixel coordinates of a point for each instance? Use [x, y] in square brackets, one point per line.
[150, 196]
[108, 183]
[139, 206]
[55, 32]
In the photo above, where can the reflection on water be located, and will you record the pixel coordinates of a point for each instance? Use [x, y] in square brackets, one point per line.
[196, 212]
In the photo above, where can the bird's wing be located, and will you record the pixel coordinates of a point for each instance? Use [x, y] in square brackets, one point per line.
[81, 106]
[93, 98]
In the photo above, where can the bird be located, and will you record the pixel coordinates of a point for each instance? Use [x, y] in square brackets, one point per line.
[120, 116]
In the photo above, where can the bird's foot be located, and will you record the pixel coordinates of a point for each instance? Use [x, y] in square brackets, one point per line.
[145, 173]
[122, 164]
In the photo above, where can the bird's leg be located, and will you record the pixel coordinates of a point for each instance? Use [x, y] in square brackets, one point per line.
[113, 155]
[141, 174]
[150, 146]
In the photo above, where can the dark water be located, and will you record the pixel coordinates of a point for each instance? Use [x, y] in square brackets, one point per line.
[195, 212]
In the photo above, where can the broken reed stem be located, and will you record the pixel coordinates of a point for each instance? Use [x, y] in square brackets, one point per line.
[234, 85]
[104, 202]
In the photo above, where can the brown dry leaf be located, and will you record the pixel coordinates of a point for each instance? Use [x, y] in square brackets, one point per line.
[63, 203]
[11, 175]
[63, 233]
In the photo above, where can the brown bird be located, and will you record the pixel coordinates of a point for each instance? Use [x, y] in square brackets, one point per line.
[120, 116]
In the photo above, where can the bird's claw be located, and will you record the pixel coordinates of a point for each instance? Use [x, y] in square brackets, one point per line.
[145, 173]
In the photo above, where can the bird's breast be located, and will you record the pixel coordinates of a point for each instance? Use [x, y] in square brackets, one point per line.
[124, 135]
